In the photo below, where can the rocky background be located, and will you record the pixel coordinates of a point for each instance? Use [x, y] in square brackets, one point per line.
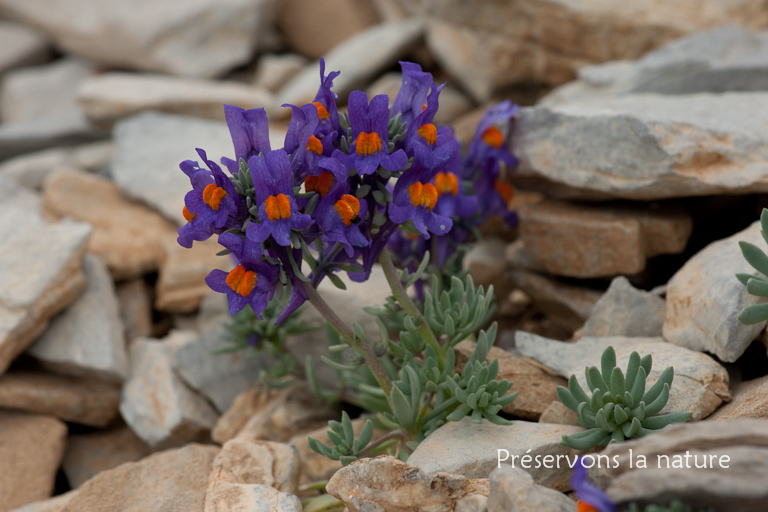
[642, 163]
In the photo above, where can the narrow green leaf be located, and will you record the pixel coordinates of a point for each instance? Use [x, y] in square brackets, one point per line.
[755, 257]
[754, 314]
[608, 363]
[757, 287]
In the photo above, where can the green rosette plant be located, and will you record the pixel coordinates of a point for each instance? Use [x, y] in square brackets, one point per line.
[756, 285]
[619, 407]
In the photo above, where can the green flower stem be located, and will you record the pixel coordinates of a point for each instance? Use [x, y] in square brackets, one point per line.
[378, 370]
[398, 290]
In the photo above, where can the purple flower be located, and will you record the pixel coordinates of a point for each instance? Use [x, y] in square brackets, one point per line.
[249, 130]
[414, 198]
[412, 96]
[325, 101]
[452, 200]
[209, 204]
[340, 214]
[277, 210]
[247, 284]
[489, 145]
[591, 498]
[302, 142]
[421, 129]
[370, 135]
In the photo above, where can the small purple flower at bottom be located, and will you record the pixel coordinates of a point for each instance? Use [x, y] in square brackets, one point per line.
[591, 498]
[251, 284]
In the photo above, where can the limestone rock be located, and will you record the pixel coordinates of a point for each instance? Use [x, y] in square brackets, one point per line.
[742, 486]
[135, 308]
[382, 46]
[30, 453]
[87, 339]
[645, 146]
[311, 29]
[110, 97]
[166, 481]
[32, 169]
[727, 58]
[89, 454]
[750, 400]
[486, 264]
[181, 285]
[558, 38]
[272, 71]
[564, 304]
[474, 450]
[21, 46]
[597, 241]
[258, 462]
[557, 413]
[218, 377]
[42, 278]
[156, 404]
[513, 490]
[625, 311]
[244, 406]
[700, 384]
[228, 497]
[201, 38]
[294, 410]
[84, 401]
[704, 299]
[534, 382]
[55, 504]
[385, 483]
[150, 147]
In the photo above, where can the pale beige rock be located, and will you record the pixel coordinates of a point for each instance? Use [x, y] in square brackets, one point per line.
[294, 410]
[156, 404]
[596, 241]
[513, 490]
[382, 46]
[557, 413]
[750, 400]
[89, 454]
[700, 384]
[39, 281]
[246, 404]
[272, 71]
[565, 304]
[129, 237]
[624, 310]
[557, 38]
[181, 285]
[55, 504]
[30, 453]
[704, 299]
[153, 35]
[311, 29]
[84, 401]
[109, 97]
[472, 503]
[474, 450]
[534, 382]
[21, 46]
[486, 263]
[741, 486]
[135, 308]
[87, 339]
[258, 462]
[165, 482]
[385, 483]
[228, 497]
[32, 169]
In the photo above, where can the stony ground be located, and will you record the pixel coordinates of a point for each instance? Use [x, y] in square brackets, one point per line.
[643, 148]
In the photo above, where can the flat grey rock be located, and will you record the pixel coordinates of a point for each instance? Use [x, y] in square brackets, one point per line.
[623, 310]
[704, 299]
[644, 146]
[512, 489]
[150, 147]
[700, 384]
[21, 46]
[156, 404]
[473, 450]
[218, 377]
[200, 38]
[87, 339]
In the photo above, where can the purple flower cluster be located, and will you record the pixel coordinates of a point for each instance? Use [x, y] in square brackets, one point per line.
[327, 198]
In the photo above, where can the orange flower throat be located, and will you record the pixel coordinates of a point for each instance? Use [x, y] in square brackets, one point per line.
[368, 144]
[320, 184]
[348, 208]
[278, 207]
[428, 132]
[212, 195]
[423, 195]
[447, 183]
[493, 137]
[242, 281]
